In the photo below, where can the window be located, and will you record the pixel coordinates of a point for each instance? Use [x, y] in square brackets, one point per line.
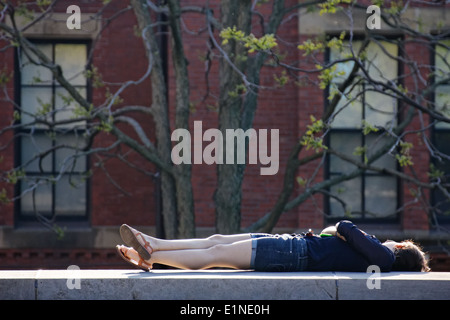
[50, 137]
[441, 132]
[371, 195]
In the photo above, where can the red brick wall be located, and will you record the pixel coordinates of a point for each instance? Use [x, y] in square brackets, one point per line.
[119, 56]
[415, 215]
[6, 118]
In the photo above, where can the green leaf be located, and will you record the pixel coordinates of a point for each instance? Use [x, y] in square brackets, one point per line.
[368, 128]
[251, 42]
[309, 140]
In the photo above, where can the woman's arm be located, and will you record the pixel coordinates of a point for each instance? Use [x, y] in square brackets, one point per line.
[370, 247]
[332, 230]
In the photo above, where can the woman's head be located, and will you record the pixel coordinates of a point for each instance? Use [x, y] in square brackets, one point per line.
[408, 256]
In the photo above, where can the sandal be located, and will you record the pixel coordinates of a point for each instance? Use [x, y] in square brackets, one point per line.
[130, 237]
[123, 252]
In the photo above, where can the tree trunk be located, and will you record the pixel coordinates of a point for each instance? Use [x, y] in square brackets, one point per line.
[161, 118]
[228, 193]
[182, 172]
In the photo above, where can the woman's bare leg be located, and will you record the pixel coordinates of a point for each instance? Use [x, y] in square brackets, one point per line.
[184, 244]
[235, 255]
[231, 251]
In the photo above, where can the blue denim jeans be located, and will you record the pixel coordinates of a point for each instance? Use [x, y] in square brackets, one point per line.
[279, 253]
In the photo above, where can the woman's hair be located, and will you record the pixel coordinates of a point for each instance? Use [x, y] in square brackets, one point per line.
[410, 257]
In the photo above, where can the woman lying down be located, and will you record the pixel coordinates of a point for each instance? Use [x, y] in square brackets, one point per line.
[343, 247]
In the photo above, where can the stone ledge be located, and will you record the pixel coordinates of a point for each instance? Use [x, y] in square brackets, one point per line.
[219, 285]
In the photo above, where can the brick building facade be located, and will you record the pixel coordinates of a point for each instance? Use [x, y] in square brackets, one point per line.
[116, 193]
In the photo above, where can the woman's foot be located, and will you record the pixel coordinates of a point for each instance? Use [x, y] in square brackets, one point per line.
[137, 240]
[131, 256]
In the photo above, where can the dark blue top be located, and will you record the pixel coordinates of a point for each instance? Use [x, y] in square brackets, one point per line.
[355, 255]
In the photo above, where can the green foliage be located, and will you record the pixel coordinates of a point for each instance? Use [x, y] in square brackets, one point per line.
[110, 98]
[67, 100]
[106, 125]
[252, 43]
[81, 112]
[378, 2]
[4, 199]
[319, 45]
[310, 46]
[435, 173]
[16, 115]
[332, 6]
[36, 80]
[266, 42]
[232, 33]
[15, 175]
[282, 79]
[327, 75]
[310, 140]
[403, 157]
[60, 232]
[22, 10]
[395, 7]
[95, 76]
[337, 43]
[239, 90]
[361, 151]
[301, 181]
[5, 77]
[368, 128]
[44, 108]
[43, 3]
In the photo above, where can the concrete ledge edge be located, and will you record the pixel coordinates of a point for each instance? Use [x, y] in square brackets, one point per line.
[78, 284]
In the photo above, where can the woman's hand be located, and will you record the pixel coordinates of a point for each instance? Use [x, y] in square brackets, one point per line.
[340, 236]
